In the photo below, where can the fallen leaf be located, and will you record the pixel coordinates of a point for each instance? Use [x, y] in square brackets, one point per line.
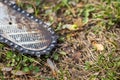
[6, 69]
[63, 53]
[17, 73]
[98, 46]
[70, 27]
[52, 67]
[79, 5]
[30, 10]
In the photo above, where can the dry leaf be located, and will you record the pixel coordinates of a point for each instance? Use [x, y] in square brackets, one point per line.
[52, 67]
[6, 69]
[17, 73]
[80, 5]
[71, 27]
[30, 10]
[78, 24]
[73, 11]
[98, 46]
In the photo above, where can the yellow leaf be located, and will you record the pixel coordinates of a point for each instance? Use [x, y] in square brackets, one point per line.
[78, 22]
[98, 46]
[71, 27]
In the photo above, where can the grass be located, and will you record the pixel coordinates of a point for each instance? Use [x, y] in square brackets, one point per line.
[105, 68]
[76, 56]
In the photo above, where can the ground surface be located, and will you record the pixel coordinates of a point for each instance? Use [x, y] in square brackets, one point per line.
[88, 46]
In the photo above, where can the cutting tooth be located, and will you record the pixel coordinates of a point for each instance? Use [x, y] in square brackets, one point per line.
[6, 41]
[36, 20]
[28, 14]
[1, 38]
[52, 32]
[21, 49]
[53, 41]
[52, 45]
[23, 12]
[32, 53]
[40, 22]
[46, 26]
[16, 46]
[26, 51]
[18, 9]
[38, 52]
[14, 6]
[38, 55]
[44, 51]
[54, 38]
[32, 17]
[11, 44]
[48, 48]
[49, 29]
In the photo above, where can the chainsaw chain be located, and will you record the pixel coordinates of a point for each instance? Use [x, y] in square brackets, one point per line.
[37, 53]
